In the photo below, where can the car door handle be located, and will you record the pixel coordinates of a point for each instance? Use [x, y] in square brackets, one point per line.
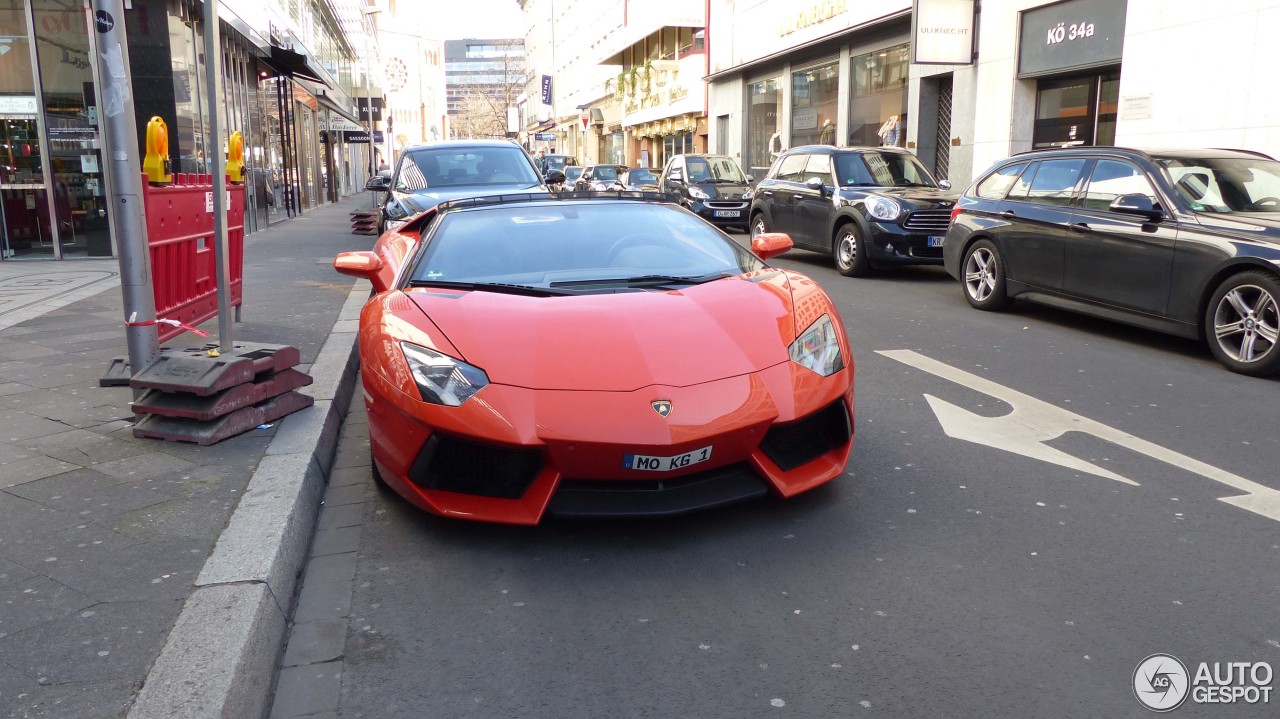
[1081, 227]
[797, 197]
[768, 193]
[1008, 213]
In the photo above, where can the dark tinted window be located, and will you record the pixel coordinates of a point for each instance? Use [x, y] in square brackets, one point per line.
[1055, 181]
[1023, 185]
[637, 177]
[851, 170]
[456, 167]
[896, 169]
[1226, 184]
[605, 172]
[1113, 178]
[539, 244]
[998, 183]
[791, 167]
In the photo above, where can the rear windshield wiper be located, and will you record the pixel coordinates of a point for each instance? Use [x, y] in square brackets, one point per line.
[646, 280]
[500, 287]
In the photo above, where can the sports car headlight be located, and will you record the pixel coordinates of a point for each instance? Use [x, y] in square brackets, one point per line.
[395, 224]
[818, 348]
[882, 208]
[698, 194]
[441, 379]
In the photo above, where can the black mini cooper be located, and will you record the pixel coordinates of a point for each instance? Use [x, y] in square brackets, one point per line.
[1182, 241]
[870, 207]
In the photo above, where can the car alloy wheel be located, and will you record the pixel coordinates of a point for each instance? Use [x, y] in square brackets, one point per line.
[984, 277]
[1245, 322]
[758, 227]
[849, 255]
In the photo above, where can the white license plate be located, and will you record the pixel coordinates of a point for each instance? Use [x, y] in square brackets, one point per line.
[936, 241]
[665, 464]
[728, 213]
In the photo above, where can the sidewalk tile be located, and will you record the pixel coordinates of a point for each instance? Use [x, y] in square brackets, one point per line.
[88, 494]
[335, 541]
[32, 602]
[144, 465]
[347, 515]
[200, 518]
[11, 573]
[346, 494]
[314, 642]
[332, 568]
[24, 519]
[94, 700]
[15, 426]
[85, 448]
[322, 600]
[140, 572]
[306, 690]
[32, 469]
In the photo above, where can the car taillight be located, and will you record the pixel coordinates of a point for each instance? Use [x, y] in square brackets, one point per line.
[955, 211]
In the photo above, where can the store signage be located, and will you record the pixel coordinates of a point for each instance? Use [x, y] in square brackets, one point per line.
[339, 123]
[1071, 35]
[546, 89]
[362, 104]
[811, 14]
[942, 32]
[350, 137]
[18, 105]
[544, 136]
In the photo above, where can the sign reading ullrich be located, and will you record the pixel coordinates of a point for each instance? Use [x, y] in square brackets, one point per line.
[942, 32]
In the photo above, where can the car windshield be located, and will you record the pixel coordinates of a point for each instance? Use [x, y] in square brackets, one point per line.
[554, 162]
[883, 169]
[572, 173]
[714, 168]
[459, 167]
[637, 177]
[605, 172]
[582, 245]
[1225, 184]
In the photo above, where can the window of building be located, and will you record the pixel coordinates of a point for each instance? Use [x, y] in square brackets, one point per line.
[878, 112]
[764, 141]
[684, 44]
[813, 105]
[1077, 111]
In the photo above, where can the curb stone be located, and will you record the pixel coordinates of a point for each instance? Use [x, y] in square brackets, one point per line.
[220, 657]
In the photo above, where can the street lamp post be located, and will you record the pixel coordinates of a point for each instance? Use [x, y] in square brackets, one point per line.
[370, 41]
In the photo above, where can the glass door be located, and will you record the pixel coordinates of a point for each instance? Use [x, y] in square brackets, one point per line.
[1076, 111]
[26, 230]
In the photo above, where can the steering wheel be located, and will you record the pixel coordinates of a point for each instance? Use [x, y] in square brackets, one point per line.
[1259, 203]
[622, 243]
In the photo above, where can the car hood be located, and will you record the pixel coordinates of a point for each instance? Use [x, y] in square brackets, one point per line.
[919, 197]
[619, 342]
[1253, 225]
[722, 190]
[415, 202]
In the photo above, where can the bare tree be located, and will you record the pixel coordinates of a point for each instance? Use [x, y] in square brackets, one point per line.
[482, 107]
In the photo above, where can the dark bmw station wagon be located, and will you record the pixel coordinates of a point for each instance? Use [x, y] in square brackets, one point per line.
[1185, 242]
[869, 207]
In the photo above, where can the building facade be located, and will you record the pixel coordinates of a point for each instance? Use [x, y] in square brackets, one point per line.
[286, 69]
[483, 78]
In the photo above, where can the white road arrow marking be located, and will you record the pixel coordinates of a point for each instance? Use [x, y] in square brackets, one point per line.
[1033, 422]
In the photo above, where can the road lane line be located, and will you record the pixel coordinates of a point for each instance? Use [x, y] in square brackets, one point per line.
[1033, 422]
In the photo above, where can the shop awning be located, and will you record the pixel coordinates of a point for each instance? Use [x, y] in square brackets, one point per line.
[326, 101]
[293, 64]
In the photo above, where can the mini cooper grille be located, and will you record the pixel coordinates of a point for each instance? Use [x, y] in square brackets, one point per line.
[796, 443]
[487, 470]
[928, 220]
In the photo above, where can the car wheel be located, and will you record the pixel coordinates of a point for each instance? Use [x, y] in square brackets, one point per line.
[849, 252]
[1242, 323]
[378, 481]
[758, 225]
[984, 277]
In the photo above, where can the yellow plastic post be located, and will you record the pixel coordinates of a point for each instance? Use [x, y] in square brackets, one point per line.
[235, 157]
[156, 163]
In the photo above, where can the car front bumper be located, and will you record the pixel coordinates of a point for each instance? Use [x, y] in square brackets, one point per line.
[512, 454]
[892, 244]
[707, 209]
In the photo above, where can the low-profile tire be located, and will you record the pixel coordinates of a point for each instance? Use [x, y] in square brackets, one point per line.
[849, 251]
[1242, 321]
[983, 278]
[378, 481]
[758, 225]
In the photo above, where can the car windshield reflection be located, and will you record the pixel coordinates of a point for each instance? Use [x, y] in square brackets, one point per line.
[1225, 184]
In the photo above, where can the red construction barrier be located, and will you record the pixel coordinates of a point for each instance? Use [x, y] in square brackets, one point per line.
[180, 235]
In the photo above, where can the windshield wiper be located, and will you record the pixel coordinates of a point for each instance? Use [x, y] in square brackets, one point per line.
[646, 280]
[500, 287]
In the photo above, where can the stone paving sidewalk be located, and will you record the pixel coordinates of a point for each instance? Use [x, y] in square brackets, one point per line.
[102, 534]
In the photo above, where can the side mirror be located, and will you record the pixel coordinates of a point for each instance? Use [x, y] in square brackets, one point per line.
[675, 176]
[1136, 205]
[378, 183]
[770, 244]
[750, 179]
[555, 177]
[815, 183]
[944, 184]
[361, 264]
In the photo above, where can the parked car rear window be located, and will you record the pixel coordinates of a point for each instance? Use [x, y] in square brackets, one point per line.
[1055, 181]
[456, 167]
[997, 185]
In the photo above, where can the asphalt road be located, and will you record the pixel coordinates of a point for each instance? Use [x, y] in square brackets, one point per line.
[938, 577]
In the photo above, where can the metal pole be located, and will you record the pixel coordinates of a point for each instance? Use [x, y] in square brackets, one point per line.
[213, 89]
[124, 171]
[368, 92]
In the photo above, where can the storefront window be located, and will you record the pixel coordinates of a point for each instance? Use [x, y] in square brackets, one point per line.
[878, 113]
[24, 208]
[71, 126]
[813, 105]
[764, 107]
[1076, 111]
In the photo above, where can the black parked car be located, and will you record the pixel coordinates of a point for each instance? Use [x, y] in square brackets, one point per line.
[598, 177]
[869, 207]
[430, 173]
[1185, 242]
[711, 186]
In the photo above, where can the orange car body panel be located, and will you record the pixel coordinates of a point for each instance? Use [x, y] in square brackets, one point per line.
[575, 376]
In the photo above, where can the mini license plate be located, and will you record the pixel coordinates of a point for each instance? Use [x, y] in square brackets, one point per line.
[665, 464]
[728, 213]
[937, 240]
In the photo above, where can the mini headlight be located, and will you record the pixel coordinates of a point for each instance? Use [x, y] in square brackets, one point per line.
[882, 208]
[441, 379]
[698, 194]
[818, 348]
